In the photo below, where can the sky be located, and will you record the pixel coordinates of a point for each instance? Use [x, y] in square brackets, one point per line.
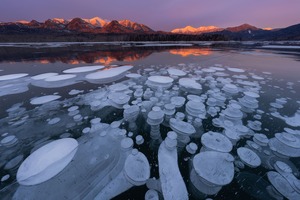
[160, 14]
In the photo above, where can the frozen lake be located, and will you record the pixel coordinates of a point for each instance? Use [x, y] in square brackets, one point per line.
[102, 121]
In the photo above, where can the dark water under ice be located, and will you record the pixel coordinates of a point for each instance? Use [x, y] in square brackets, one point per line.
[277, 74]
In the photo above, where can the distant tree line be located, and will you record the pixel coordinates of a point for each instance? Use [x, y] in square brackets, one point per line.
[106, 37]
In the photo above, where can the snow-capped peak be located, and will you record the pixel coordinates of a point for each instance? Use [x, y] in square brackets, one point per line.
[23, 22]
[97, 21]
[59, 20]
[191, 29]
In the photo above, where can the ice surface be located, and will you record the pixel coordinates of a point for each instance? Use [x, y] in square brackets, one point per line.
[47, 161]
[44, 99]
[252, 183]
[83, 69]
[62, 77]
[280, 47]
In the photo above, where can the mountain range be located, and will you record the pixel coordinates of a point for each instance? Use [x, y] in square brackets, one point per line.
[97, 26]
[93, 25]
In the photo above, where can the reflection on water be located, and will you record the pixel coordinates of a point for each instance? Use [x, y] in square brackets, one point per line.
[91, 54]
[191, 52]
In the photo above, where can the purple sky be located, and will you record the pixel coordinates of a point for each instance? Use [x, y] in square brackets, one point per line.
[160, 14]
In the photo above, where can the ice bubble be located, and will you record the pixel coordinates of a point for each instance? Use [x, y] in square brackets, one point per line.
[176, 72]
[260, 139]
[44, 76]
[4, 134]
[73, 108]
[5, 178]
[47, 161]
[83, 69]
[75, 92]
[172, 184]
[136, 172]
[208, 70]
[216, 142]
[54, 121]
[139, 139]
[118, 99]
[86, 130]
[131, 113]
[156, 82]
[233, 113]
[77, 118]
[13, 163]
[133, 75]
[181, 127]
[257, 77]
[230, 89]
[44, 99]
[237, 70]
[12, 76]
[191, 148]
[60, 77]
[65, 135]
[178, 101]
[195, 109]
[282, 185]
[190, 85]
[169, 109]
[137, 168]
[118, 87]
[151, 195]
[282, 167]
[109, 75]
[155, 116]
[213, 170]
[195, 98]
[9, 141]
[254, 125]
[127, 143]
[285, 144]
[249, 157]
[293, 121]
[232, 135]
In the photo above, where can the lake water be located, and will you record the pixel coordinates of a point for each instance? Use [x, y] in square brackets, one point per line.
[225, 90]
